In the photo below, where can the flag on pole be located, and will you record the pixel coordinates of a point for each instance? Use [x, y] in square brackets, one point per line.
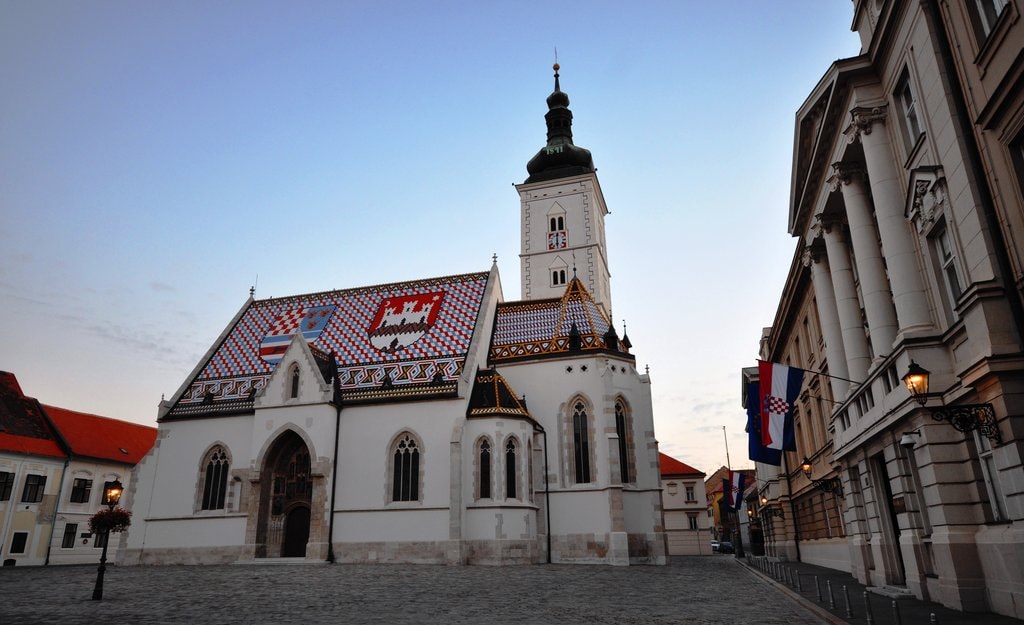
[757, 451]
[732, 489]
[779, 388]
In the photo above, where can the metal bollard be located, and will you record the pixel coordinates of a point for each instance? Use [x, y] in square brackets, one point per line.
[896, 618]
[932, 619]
[817, 588]
[831, 597]
[799, 584]
[846, 599]
[867, 609]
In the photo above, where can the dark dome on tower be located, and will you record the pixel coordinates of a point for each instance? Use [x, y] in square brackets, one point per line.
[559, 158]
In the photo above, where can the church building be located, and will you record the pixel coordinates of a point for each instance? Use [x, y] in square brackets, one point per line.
[428, 421]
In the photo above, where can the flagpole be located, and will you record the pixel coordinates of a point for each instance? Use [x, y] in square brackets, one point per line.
[728, 462]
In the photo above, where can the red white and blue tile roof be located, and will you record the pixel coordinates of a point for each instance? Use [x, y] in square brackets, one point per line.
[534, 328]
[388, 340]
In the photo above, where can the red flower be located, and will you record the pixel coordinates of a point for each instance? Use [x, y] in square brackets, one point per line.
[116, 520]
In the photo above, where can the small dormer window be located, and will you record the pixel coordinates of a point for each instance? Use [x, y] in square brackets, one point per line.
[295, 382]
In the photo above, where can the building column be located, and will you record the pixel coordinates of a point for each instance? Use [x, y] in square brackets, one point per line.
[828, 314]
[855, 342]
[905, 276]
[874, 286]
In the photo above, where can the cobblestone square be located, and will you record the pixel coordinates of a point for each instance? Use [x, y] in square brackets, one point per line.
[690, 591]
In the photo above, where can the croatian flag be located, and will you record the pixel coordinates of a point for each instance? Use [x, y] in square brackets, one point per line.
[732, 489]
[757, 451]
[779, 388]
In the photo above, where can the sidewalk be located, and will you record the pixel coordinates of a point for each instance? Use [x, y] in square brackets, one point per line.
[809, 585]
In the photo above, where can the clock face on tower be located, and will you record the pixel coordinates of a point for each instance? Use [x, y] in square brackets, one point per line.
[557, 240]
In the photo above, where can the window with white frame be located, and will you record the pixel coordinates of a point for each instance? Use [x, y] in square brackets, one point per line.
[986, 14]
[6, 485]
[909, 110]
[81, 490]
[945, 259]
[997, 503]
[690, 497]
[70, 533]
[34, 487]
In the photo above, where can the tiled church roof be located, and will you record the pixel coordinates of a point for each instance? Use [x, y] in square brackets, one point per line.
[492, 396]
[534, 328]
[391, 341]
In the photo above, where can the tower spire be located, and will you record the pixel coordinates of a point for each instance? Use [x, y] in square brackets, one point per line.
[559, 158]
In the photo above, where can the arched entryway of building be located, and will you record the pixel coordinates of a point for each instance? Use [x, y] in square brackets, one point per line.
[285, 495]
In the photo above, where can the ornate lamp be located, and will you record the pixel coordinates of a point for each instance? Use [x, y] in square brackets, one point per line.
[964, 417]
[111, 495]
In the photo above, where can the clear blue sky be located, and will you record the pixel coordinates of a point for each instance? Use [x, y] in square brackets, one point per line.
[156, 157]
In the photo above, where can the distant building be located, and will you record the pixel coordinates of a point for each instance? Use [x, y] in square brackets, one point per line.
[54, 464]
[908, 201]
[685, 503]
[723, 526]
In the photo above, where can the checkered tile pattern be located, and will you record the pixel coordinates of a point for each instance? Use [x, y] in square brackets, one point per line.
[776, 405]
[443, 348]
[543, 326]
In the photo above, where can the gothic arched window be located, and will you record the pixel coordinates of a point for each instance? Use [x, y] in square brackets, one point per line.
[581, 443]
[405, 482]
[484, 458]
[511, 469]
[215, 480]
[622, 429]
[295, 382]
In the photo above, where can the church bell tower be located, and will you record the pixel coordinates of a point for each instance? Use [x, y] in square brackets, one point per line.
[562, 214]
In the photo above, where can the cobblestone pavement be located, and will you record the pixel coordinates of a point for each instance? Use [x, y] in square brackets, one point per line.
[710, 590]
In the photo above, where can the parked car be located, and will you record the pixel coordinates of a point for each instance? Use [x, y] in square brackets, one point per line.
[725, 547]
[714, 546]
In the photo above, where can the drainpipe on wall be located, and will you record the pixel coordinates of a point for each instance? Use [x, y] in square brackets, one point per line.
[56, 509]
[334, 473]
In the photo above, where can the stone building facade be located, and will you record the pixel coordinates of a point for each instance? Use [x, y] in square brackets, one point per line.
[906, 195]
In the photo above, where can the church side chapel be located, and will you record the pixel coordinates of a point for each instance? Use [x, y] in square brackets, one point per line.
[427, 421]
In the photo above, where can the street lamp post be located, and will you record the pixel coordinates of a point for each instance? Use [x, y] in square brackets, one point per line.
[111, 495]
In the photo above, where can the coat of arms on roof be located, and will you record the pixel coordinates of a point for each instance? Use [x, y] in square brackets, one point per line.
[403, 320]
[309, 320]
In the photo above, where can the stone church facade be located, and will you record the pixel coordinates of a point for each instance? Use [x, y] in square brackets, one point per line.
[426, 421]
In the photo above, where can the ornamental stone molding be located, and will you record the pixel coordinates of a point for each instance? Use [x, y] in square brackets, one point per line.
[864, 118]
[845, 174]
[928, 199]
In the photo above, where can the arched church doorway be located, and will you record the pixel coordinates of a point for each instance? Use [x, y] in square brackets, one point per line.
[286, 490]
[296, 533]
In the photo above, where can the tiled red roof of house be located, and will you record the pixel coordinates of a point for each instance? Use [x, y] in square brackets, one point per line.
[103, 438]
[23, 428]
[30, 446]
[671, 466]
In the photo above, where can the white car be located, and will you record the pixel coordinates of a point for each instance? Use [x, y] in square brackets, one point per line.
[714, 546]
